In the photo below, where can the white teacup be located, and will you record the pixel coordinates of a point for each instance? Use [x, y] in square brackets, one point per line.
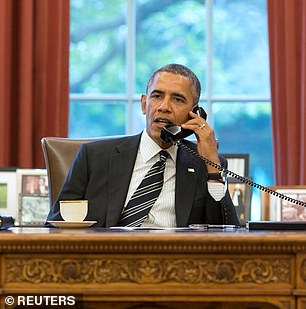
[74, 210]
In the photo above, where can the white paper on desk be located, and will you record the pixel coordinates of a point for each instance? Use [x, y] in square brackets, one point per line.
[149, 228]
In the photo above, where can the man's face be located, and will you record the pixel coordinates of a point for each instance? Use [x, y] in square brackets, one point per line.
[168, 100]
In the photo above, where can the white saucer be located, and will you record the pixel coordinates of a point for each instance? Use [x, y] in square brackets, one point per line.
[72, 224]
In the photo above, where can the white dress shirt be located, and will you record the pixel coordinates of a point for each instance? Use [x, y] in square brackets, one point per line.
[162, 214]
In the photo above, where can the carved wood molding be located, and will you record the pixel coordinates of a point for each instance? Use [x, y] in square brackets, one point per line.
[303, 270]
[147, 270]
[156, 247]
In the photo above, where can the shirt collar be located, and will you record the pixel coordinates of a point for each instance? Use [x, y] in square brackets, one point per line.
[148, 148]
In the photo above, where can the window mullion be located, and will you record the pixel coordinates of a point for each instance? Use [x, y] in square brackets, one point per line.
[130, 55]
[209, 58]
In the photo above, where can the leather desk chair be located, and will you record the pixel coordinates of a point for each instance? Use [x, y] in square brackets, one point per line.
[59, 154]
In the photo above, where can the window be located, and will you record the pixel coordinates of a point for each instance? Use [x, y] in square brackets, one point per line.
[116, 45]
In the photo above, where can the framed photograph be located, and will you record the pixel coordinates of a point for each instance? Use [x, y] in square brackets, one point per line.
[241, 195]
[278, 209]
[8, 189]
[34, 210]
[33, 197]
[238, 163]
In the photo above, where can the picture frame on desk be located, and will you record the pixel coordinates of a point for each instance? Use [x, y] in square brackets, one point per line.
[241, 195]
[238, 163]
[8, 192]
[33, 199]
[274, 208]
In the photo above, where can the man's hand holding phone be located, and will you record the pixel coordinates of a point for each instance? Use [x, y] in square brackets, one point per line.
[207, 144]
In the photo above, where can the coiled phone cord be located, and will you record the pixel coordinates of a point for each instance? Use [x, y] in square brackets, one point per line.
[241, 178]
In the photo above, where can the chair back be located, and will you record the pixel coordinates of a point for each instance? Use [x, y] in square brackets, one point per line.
[59, 154]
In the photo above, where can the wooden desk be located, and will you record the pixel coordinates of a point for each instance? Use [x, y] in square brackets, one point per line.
[157, 269]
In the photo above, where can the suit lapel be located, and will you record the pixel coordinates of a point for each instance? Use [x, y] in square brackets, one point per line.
[119, 176]
[187, 173]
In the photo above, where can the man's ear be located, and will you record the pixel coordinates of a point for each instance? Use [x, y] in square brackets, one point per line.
[143, 103]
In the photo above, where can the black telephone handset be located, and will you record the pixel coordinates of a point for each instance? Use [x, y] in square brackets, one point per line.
[172, 134]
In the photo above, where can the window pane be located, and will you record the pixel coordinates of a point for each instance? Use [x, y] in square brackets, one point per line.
[240, 41]
[246, 128]
[167, 32]
[139, 119]
[98, 46]
[93, 119]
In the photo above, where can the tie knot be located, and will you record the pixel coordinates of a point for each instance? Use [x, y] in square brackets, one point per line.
[163, 155]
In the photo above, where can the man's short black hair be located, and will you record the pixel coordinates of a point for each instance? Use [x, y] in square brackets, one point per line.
[183, 71]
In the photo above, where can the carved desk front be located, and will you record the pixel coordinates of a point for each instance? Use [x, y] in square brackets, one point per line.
[156, 269]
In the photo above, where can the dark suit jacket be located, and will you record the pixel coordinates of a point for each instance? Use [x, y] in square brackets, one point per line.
[101, 173]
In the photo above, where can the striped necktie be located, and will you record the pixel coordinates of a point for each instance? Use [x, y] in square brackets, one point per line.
[145, 195]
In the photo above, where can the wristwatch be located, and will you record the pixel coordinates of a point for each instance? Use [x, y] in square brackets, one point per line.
[220, 176]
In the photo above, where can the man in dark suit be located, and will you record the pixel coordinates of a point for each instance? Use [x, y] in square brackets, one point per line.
[108, 173]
